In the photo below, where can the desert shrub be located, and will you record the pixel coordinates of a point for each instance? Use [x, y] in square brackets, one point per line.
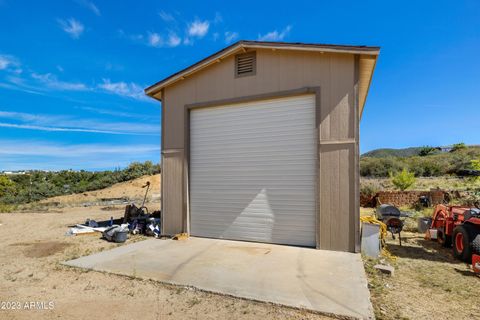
[475, 164]
[379, 167]
[458, 146]
[369, 189]
[403, 179]
[6, 208]
[6, 185]
[472, 198]
[426, 167]
[426, 151]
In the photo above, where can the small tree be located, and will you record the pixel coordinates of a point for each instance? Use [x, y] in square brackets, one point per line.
[475, 164]
[458, 146]
[403, 179]
[426, 151]
[7, 186]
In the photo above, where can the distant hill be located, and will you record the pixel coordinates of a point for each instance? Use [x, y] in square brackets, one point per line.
[437, 162]
[386, 152]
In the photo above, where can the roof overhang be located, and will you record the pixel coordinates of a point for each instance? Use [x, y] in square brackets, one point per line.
[368, 58]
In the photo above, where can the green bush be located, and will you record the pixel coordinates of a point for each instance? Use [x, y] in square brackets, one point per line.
[458, 146]
[6, 208]
[426, 151]
[369, 189]
[403, 179]
[6, 186]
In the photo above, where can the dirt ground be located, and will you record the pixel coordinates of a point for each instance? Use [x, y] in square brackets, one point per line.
[428, 283]
[32, 245]
[131, 189]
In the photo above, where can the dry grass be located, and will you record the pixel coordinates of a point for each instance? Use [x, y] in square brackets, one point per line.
[425, 184]
[428, 283]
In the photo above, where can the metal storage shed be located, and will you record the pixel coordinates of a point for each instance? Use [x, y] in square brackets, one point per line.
[260, 143]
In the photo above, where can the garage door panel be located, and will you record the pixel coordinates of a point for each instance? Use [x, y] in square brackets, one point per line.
[252, 171]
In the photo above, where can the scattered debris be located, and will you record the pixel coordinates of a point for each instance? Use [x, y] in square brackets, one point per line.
[180, 236]
[384, 268]
[91, 223]
[116, 233]
[83, 229]
[136, 220]
[371, 235]
[391, 216]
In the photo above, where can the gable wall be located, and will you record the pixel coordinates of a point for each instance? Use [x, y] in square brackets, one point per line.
[278, 70]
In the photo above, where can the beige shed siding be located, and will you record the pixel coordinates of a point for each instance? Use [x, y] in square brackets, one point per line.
[280, 70]
[172, 191]
[276, 71]
[337, 201]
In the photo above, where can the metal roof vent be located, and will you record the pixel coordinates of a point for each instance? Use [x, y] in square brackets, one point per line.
[245, 64]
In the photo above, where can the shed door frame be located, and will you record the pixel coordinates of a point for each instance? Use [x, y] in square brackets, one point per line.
[279, 94]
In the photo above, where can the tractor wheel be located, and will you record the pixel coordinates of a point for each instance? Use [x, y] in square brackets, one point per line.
[443, 239]
[476, 244]
[462, 248]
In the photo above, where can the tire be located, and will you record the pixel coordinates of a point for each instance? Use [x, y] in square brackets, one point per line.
[476, 244]
[462, 246]
[444, 240]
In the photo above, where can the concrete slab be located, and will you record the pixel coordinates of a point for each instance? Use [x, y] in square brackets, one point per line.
[324, 281]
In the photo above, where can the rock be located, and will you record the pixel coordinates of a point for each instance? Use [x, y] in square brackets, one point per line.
[386, 269]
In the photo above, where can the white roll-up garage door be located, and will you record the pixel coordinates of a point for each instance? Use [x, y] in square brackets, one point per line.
[252, 171]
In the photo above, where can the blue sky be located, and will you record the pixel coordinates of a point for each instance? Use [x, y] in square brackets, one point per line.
[72, 72]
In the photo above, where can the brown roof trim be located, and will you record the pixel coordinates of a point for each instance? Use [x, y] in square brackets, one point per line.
[154, 89]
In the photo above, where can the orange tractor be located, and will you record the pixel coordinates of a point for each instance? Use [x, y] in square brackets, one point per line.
[458, 227]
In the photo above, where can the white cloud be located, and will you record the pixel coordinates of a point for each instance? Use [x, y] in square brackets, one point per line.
[110, 66]
[230, 36]
[275, 35]
[198, 28]
[36, 148]
[18, 88]
[63, 123]
[51, 81]
[8, 61]
[167, 17]
[155, 40]
[29, 154]
[73, 27]
[131, 37]
[131, 90]
[41, 83]
[53, 129]
[173, 40]
[218, 18]
[90, 6]
[118, 113]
